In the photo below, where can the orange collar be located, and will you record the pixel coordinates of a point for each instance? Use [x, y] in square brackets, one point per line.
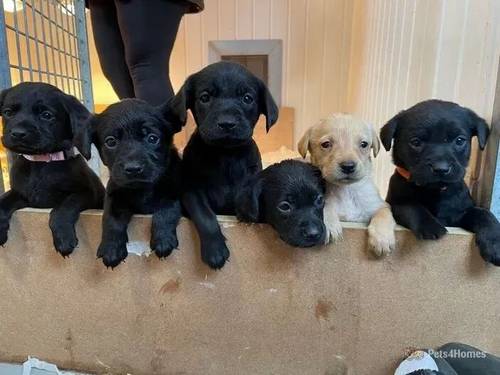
[403, 172]
[406, 175]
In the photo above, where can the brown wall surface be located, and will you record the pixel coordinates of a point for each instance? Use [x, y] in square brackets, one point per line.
[271, 310]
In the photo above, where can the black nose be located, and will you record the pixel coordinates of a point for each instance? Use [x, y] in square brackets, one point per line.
[348, 167]
[311, 232]
[441, 168]
[18, 133]
[133, 168]
[227, 125]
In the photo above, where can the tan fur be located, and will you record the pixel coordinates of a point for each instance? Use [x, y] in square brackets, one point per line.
[356, 199]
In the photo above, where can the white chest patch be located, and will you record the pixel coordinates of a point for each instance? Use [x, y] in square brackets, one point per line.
[356, 202]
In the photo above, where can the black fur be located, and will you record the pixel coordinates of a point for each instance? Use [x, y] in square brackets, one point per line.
[226, 101]
[38, 119]
[289, 196]
[135, 142]
[432, 140]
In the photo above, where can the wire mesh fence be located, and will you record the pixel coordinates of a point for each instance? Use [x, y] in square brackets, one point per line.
[45, 41]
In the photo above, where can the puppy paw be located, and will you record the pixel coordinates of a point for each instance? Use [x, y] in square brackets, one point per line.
[112, 254]
[215, 254]
[381, 242]
[430, 231]
[489, 247]
[65, 240]
[335, 232]
[4, 229]
[164, 244]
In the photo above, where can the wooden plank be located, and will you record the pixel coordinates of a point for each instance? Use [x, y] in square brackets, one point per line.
[272, 309]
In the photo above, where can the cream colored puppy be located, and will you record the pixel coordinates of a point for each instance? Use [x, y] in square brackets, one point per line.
[340, 147]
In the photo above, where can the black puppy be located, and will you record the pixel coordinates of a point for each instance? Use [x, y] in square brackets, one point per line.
[226, 101]
[135, 142]
[432, 145]
[289, 196]
[41, 126]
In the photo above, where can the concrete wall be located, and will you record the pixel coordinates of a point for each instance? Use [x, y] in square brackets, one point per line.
[272, 310]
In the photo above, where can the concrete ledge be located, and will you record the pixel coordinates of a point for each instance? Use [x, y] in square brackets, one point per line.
[272, 310]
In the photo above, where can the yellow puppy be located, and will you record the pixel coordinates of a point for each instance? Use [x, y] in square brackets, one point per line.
[340, 147]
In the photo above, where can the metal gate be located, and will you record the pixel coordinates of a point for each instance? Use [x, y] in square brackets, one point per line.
[45, 41]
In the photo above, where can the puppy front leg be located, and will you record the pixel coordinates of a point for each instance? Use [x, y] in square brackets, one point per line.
[163, 228]
[10, 202]
[419, 220]
[63, 218]
[487, 229]
[332, 224]
[381, 232]
[214, 251]
[113, 247]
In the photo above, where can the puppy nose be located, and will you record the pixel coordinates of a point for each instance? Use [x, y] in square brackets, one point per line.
[133, 168]
[18, 133]
[441, 168]
[311, 232]
[227, 125]
[348, 167]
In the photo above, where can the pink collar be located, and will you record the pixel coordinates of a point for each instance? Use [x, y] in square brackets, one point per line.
[54, 156]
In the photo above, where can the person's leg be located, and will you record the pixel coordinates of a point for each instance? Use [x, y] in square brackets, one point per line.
[109, 45]
[148, 30]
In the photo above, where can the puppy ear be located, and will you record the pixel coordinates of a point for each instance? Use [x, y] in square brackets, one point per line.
[79, 118]
[479, 128]
[3, 94]
[303, 145]
[267, 105]
[375, 142]
[176, 108]
[248, 200]
[84, 138]
[172, 117]
[388, 131]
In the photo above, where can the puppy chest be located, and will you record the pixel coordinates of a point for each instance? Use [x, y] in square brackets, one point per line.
[41, 190]
[352, 205]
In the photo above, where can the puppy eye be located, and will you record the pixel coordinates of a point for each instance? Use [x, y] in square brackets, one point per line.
[363, 144]
[110, 142]
[204, 97]
[320, 201]
[460, 141]
[7, 113]
[326, 144]
[46, 115]
[415, 142]
[247, 99]
[153, 139]
[285, 207]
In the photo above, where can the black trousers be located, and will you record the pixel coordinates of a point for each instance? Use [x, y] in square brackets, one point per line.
[134, 40]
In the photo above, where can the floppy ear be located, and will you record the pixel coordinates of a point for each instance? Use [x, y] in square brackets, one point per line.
[176, 110]
[3, 94]
[172, 117]
[375, 142]
[388, 130]
[267, 105]
[303, 145]
[479, 128]
[79, 118]
[248, 200]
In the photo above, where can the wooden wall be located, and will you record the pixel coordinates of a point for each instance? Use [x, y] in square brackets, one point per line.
[371, 57]
[316, 38]
[405, 51]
